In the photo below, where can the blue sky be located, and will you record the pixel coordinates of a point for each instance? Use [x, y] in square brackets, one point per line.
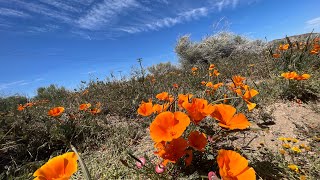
[62, 42]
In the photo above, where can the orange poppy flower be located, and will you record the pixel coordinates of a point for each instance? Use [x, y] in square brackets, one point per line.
[60, 167]
[28, 105]
[172, 151]
[216, 72]
[247, 96]
[203, 82]
[234, 166]
[194, 69]
[20, 107]
[84, 107]
[302, 77]
[211, 67]
[182, 98]
[168, 126]
[209, 84]
[95, 111]
[57, 111]
[289, 75]
[283, 47]
[276, 55]
[225, 114]
[158, 108]
[163, 96]
[216, 86]
[197, 140]
[238, 80]
[175, 85]
[145, 109]
[198, 109]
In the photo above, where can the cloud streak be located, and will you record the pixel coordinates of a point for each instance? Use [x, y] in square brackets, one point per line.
[313, 23]
[13, 13]
[104, 19]
[104, 12]
[167, 21]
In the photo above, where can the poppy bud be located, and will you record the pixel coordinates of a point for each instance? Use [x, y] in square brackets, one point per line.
[212, 176]
[141, 163]
[160, 168]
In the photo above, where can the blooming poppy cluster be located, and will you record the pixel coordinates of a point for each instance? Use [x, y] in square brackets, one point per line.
[213, 71]
[167, 128]
[87, 107]
[148, 108]
[30, 104]
[295, 76]
[315, 46]
[244, 91]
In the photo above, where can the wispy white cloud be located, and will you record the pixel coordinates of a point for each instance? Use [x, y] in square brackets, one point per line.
[13, 13]
[43, 10]
[106, 19]
[104, 12]
[18, 83]
[167, 21]
[221, 4]
[61, 5]
[43, 29]
[11, 84]
[313, 23]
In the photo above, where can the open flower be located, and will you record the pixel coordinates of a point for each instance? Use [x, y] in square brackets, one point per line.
[302, 77]
[60, 167]
[283, 47]
[145, 108]
[216, 72]
[194, 69]
[172, 151]
[211, 67]
[163, 96]
[234, 166]
[158, 108]
[238, 80]
[247, 96]
[197, 140]
[84, 107]
[20, 107]
[168, 126]
[225, 114]
[57, 111]
[289, 75]
[198, 109]
[183, 98]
